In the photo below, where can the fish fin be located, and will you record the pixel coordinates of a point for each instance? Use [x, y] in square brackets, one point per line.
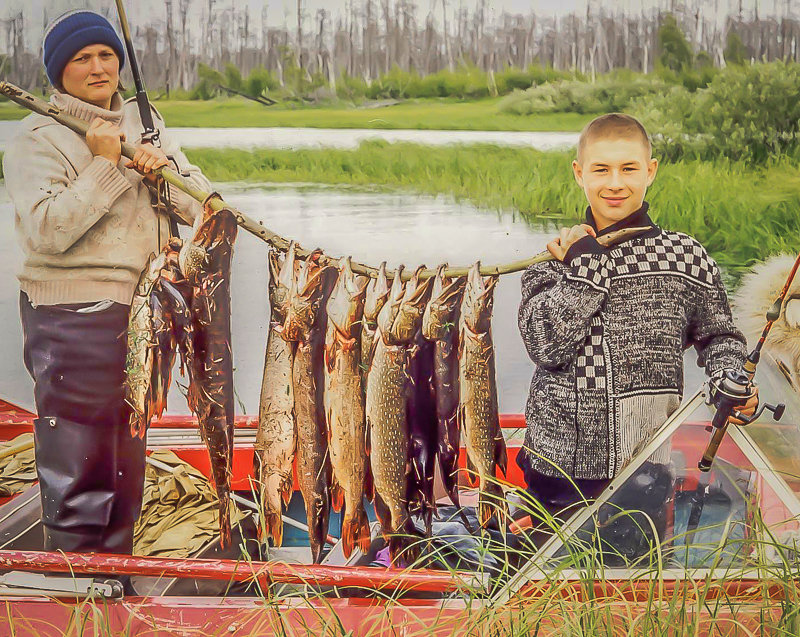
[317, 518]
[274, 528]
[330, 354]
[492, 505]
[500, 453]
[337, 496]
[355, 532]
[384, 515]
[286, 492]
[369, 483]
[224, 522]
[368, 439]
[473, 479]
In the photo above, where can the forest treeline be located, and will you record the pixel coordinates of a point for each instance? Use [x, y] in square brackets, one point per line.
[386, 48]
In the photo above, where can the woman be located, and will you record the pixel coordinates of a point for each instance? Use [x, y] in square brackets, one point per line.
[87, 222]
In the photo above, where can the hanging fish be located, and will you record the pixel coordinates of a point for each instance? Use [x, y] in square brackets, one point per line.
[344, 407]
[440, 325]
[478, 412]
[210, 393]
[377, 294]
[387, 403]
[276, 439]
[305, 326]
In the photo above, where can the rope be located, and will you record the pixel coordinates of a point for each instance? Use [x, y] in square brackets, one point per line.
[277, 242]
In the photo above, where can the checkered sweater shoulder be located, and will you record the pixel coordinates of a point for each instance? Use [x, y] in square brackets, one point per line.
[607, 331]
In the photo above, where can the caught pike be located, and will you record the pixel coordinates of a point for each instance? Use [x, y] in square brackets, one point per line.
[210, 393]
[387, 401]
[478, 413]
[305, 325]
[171, 321]
[275, 440]
[377, 294]
[140, 358]
[344, 407]
[440, 325]
[422, 430]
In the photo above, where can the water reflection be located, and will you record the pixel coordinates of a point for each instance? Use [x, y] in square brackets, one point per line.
[398, 228]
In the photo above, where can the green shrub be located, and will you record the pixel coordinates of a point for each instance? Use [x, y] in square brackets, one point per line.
[612, 93]
[746, 112]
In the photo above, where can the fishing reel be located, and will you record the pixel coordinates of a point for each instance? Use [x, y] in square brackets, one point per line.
[726, 393]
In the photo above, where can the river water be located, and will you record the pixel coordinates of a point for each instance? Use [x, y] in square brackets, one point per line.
[370, 226]
[296, 138]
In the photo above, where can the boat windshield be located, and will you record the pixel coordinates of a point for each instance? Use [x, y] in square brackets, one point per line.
[662, 514]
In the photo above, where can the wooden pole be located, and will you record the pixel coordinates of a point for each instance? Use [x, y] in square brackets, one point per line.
[33, 103]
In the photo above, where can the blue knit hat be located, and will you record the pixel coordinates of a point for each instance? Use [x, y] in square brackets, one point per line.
[71, 32]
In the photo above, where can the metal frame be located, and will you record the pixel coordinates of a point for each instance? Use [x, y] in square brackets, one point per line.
[536, 568]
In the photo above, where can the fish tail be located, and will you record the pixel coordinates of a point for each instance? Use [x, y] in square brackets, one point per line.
[224, 521]
[404, 544]
[273, 528]
[355, 532]
[500, 453]
[271, 508]
[448, 464]
[491, 504]
[317, 518]
[473, 478]
[337, 497]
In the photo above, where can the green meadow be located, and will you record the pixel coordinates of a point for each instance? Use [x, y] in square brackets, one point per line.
[428, 114]
[741, 213]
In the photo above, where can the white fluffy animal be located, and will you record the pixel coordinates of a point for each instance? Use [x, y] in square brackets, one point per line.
[756, 294]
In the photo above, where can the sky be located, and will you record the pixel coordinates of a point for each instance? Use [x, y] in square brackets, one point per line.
[280, 12]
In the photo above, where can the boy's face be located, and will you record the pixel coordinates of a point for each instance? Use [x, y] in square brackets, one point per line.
[614, 173]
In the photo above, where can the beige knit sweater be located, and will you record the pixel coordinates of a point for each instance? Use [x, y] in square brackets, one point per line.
[86, 226]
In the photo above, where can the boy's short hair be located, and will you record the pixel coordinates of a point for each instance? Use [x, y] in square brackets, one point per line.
[611, 126]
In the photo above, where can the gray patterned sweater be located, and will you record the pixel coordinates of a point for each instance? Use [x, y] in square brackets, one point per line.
[607, 330]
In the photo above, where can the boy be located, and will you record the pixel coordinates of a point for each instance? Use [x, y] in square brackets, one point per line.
[607, 327]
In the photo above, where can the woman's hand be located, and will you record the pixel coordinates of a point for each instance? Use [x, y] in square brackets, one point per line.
[558, 247]
[105, 140]
[147, 159]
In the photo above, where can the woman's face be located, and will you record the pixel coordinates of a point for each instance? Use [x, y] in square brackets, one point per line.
[92, 75]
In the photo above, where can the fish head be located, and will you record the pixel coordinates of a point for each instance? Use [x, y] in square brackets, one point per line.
[478, 303]
[440, 313]
[391, 307]
[216, 235]
[191, 257]
[278, 293]
[377, 294]
[412, 306]
[150, 273]
[305, 298]
[346, 303]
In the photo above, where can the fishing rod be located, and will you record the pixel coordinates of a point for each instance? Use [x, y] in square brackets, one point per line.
[150, 134]
[736, 387]
[256, 228]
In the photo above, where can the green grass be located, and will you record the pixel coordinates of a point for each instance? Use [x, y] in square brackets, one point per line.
[740, 214]
[420, 114]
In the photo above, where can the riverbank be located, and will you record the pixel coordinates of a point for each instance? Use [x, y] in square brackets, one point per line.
[425, 114]
[741, 214]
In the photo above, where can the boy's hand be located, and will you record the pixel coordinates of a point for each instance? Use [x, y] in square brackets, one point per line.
[748, 409]
[147, 159]
[558, 247]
